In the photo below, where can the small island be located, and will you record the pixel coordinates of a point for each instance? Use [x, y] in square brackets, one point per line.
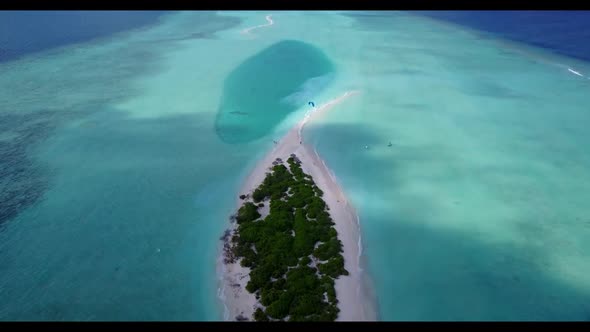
[285, 236]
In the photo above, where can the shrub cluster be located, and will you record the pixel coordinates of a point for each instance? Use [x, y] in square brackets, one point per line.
[294, 253]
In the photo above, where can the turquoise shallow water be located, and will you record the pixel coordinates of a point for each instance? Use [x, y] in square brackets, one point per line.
[118, 183]
[122, 165]
[477, 211]
[133, 186]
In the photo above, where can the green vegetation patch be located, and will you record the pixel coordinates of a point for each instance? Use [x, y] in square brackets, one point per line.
[294, 253]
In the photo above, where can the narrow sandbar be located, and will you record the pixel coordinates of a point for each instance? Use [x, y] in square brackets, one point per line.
[354, 302]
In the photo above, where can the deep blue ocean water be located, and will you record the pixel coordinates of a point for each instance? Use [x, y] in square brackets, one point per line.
[562, 32]
[25, 32]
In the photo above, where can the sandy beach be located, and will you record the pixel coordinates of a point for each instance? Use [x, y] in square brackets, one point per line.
[268, 19]
[354, 302]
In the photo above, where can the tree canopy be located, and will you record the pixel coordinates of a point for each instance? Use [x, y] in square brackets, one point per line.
[294, 253]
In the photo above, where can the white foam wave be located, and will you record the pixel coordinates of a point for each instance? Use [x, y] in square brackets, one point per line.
[575, 72]
[268, 19]
[221, 290]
